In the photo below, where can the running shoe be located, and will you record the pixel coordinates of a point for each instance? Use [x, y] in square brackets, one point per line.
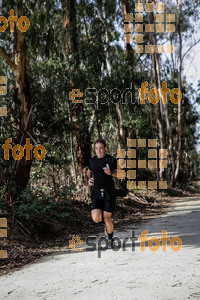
[111, 244]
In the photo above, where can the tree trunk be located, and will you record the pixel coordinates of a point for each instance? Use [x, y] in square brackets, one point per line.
[82, 142]
[69, 24]
[171, 157]
[170, 148]
[22, 98]
[120, 129]
[129, 49]
[179, 140]
[156, 86]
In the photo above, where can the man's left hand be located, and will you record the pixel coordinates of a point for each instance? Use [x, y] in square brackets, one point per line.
[107, 170]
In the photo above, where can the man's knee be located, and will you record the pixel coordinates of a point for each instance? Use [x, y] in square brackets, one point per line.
[96, 218]
[107, 219]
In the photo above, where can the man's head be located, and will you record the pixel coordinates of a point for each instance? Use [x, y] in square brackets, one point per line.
[100, 148]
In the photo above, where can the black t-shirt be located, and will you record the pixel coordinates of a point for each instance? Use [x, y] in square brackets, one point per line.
[101, 179]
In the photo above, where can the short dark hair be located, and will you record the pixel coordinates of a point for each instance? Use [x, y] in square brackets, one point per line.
[101, 141]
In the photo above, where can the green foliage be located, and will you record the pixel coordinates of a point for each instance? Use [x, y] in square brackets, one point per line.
[40, 204]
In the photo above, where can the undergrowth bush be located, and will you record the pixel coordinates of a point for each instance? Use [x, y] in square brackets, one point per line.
[41, 204]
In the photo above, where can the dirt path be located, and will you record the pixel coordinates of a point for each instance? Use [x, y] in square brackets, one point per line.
[120, 274]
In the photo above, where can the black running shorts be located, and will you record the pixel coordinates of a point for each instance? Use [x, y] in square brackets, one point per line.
[102, 203]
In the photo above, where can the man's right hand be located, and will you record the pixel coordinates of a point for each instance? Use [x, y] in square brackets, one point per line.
[91, 181]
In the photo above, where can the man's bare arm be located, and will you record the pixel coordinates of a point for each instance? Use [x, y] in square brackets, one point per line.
[115, 172]
[89, 176]
[89, 173]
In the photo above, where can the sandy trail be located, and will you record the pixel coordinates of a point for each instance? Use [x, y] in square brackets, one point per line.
[120, 274]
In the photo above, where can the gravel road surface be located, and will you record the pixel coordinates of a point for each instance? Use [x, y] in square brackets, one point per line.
[124, 273]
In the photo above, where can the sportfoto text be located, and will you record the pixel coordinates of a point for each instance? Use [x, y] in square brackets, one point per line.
[153, 242]
[102, 96]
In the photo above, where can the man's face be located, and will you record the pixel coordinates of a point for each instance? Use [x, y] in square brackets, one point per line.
[100, 150]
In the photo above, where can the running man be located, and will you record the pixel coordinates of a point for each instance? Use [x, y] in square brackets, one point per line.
[103, 167]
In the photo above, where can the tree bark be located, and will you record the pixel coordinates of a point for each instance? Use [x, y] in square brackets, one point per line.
[156, 86]
[129, 49]
[82, 142]
[22, 98]
[22, 92]
[179, 139]
[69, 24]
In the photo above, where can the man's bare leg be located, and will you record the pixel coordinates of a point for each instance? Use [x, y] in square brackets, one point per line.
[108, 222]
[96, 215]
